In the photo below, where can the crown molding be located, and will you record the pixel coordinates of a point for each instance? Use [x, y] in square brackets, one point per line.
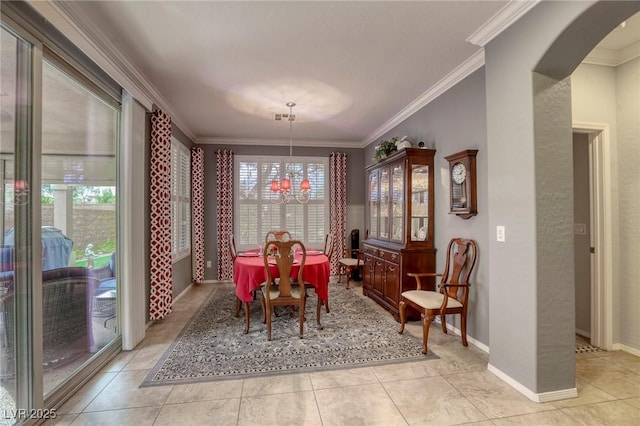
[76, 26]
[70, 28]
[502, 20]
[613, 58]
[278, 142]
[600, 56]
[629, 53]
[462, 71]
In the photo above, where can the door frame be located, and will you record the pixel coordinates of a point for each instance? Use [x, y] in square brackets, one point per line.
[601, 208]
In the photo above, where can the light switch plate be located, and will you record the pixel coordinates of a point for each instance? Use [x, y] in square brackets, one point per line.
[580, 228]
[500, 234]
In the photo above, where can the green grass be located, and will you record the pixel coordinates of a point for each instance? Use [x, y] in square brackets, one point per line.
[98, 262]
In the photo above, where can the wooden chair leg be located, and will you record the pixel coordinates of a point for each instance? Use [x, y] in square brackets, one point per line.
[264, 310]
[268, 311]
[426, 323]
[318, 312]
[238, 303]
[326, 304]
[246, 317]
[302, 318]
[403, 318]
[463, 329]
[348, 277]
[443, 323]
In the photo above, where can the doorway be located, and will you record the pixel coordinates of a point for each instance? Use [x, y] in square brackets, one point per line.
[592, 234]
[582, 234]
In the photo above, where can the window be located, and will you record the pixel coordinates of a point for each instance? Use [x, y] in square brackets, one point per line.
[255, 210]
[180, 200]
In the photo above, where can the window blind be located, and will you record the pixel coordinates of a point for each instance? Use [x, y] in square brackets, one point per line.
[180, 200]
[255, 210]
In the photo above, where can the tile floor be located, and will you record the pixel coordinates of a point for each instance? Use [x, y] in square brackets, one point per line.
[455, 389]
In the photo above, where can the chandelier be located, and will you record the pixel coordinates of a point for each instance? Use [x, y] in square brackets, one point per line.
[283, 189]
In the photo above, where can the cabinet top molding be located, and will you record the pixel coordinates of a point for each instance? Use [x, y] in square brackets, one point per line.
[412, 152]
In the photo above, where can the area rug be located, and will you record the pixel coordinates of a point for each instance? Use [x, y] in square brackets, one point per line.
[212, 345]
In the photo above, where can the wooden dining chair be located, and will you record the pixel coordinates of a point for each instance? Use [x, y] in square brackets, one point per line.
[282, 291]
[328, 251]
[328, 245]
[234, 253]
[452, 296]
[277, 236]
[349, 263]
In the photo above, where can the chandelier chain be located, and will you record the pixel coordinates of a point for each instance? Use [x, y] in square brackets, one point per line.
[284, 188]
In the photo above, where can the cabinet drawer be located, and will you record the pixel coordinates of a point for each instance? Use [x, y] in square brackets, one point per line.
[374, 251]
[390, 256]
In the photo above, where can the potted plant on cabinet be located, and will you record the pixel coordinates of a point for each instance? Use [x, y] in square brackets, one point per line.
[385, 148]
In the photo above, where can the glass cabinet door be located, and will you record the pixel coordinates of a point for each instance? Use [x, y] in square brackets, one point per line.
[419, 202]
[397, 203]
[374, 204]
[384, 204]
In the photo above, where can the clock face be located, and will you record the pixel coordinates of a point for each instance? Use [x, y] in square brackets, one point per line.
[458, 173]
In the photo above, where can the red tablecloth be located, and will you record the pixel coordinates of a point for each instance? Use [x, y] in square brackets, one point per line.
[249, 273]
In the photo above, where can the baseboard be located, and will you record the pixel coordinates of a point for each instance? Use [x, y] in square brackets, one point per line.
[478, 344]
[535, 397]
[583, 333]
[182, 293]
[625, 348]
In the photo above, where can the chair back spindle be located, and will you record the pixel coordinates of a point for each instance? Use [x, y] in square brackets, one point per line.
[283, 291]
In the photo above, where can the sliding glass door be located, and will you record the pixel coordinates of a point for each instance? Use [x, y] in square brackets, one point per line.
[18, 348]
[58, 226]
[78, 210]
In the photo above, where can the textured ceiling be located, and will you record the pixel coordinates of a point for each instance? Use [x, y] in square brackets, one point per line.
[226, 67]
[222, 69]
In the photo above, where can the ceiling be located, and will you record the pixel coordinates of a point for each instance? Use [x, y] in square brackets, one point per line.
[225, 68]
[355, 69]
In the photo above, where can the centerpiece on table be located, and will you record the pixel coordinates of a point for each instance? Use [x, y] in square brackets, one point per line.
[273, 251]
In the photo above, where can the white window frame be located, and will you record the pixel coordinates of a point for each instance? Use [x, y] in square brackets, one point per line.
[180, 197]
[238, 204]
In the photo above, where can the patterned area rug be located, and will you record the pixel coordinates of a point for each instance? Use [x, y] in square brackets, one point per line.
[212, 345]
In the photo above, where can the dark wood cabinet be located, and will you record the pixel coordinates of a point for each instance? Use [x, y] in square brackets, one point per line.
[399, 225]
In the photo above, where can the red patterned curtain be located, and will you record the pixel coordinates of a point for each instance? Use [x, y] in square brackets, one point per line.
[224, 193]
[161, 294]
[338, 206]
[197, 197]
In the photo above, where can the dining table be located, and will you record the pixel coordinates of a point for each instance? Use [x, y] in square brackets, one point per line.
[249, 273]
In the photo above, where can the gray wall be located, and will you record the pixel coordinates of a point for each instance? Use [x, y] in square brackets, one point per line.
[355, 188]
[581, 215]
[454, 122]
[531, 188]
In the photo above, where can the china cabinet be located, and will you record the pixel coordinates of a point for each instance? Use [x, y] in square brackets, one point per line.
[399, 237]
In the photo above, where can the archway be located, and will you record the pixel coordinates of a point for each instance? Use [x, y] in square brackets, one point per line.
[529, 133]
[558, 63]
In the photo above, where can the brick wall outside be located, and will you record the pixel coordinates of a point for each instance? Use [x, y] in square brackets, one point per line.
[92, 223]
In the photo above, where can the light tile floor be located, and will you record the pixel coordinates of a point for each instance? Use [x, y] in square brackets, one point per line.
[455, 389]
